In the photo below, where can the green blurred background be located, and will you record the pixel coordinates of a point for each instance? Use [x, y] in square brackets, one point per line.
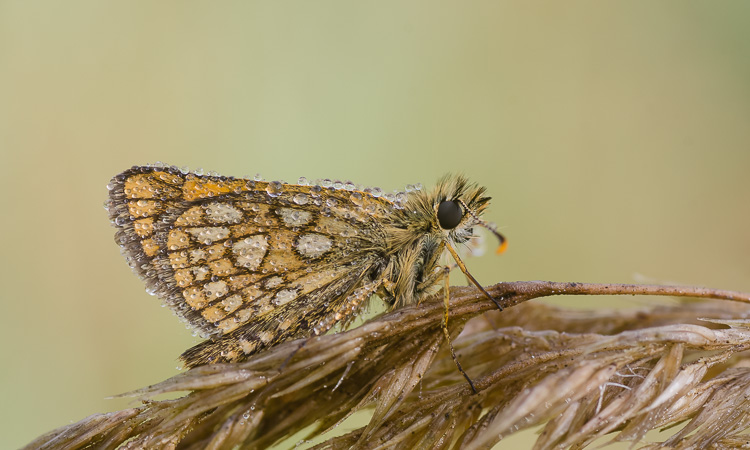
[613, 137]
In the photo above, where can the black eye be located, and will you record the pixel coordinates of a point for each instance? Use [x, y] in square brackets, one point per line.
[449, 214]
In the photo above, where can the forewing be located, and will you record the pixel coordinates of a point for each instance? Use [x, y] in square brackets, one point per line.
[226, 253]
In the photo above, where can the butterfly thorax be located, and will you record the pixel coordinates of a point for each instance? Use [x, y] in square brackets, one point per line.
[416, 239]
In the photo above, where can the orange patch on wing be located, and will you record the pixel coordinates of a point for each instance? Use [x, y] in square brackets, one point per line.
[152, 185]
[195, 297]
[144, 227]
[214, 313]
[139, 186]
[195, 188]
[183, 278]
[150, 248]
[177, 239]
[179, 260]
[281, 261]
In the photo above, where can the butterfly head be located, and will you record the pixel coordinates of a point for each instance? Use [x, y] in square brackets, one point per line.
[457, 208]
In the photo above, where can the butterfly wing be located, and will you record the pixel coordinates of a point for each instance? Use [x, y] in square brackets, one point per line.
[255, 261]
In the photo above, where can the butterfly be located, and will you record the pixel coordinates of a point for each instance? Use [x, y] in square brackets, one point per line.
[249, 264]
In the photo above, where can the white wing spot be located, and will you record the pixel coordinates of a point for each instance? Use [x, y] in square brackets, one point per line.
[223, 213]
[285, 296]
[232, 303]
[244, 315]
[197, 255]
[207, 235]
[265, 336]
[285, 324]
[273, 282]
[201, 272]
[247, 346]
[294, 217]
[216, 289]
[250, 251]
[313, 245]
[263, 305]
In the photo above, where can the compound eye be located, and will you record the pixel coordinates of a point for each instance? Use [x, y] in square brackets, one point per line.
[449, 214]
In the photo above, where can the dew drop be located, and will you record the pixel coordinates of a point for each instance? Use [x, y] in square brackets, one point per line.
[349, 186]
[302, 181]
[331, 202]
[257, 177]
[338, 184]
[300, 199]
[274, 188]
[326, 183]
[377, 192]
[356, 198]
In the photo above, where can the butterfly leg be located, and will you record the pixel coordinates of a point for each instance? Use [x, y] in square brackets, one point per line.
[471, 278]
[446, 302]
[431, 280]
